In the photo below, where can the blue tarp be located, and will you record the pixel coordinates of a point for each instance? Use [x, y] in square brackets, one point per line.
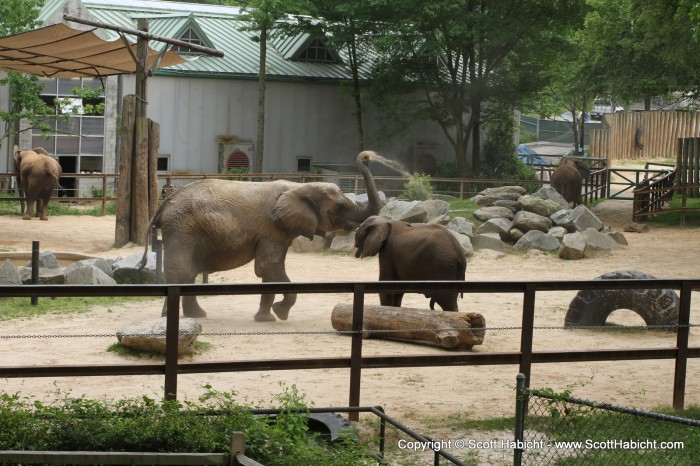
[528, 155]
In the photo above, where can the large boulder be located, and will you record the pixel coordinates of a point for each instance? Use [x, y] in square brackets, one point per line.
[526, 221]
[47, 276]
[126, 270]
[405, 211]
[600, 241]
[539, 206]
[489, 196]
[435, 208]
[461, 226]
[552, 194]
[47, 260]
[535, 239]
[500, 226]
[490, 241]
[149, 335]
[343, 242]
[83, 274]
[584, 219]
[464, 241]
[562, 218]
[573, 246]
[9, 274]
[105, 265]
[487, 213]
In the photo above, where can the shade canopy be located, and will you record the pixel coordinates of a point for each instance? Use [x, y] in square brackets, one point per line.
[59, 51]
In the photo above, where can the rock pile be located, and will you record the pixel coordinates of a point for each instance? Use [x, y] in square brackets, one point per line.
[508, 220]
[84, 272]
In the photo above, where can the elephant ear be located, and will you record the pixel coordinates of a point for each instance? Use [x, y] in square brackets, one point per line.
[371, 235]
[296, 212]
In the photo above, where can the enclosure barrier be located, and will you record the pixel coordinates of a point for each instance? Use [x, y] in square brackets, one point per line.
[524, 358]
[556, 428]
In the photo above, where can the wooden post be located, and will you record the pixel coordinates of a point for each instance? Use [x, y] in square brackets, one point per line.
[139, 175]
[153, 148]
[123, 220]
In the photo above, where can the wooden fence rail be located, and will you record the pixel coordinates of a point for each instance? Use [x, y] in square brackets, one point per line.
[356, 362]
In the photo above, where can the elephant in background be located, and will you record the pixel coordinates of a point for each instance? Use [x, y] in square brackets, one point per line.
[213, 225]
[424, 252]
[568, 177]
[38, 176]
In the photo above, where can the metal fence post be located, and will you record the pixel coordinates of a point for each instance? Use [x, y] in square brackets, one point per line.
[682, 346]
[358, 305]
[520, 404]
[35, 269]
[172, 331]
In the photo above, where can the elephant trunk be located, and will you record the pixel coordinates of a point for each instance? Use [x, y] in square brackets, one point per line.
[373, 204]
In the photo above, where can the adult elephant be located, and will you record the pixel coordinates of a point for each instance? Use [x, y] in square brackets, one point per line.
[38, 176]
[567, 179]
[424, 252]
[215, 225]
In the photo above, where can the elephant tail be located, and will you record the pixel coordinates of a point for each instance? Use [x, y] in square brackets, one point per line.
[155, 222]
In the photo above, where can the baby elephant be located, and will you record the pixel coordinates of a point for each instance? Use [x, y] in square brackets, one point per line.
[426, 252]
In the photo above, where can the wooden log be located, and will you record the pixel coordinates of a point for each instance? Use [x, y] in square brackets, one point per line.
[139, 182]
[451, 330]
[153, 149]
[123, 217]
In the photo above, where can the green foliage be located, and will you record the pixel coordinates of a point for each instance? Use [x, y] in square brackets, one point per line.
[91, 101]
[418, 188]
[148, 425]
[692, 218]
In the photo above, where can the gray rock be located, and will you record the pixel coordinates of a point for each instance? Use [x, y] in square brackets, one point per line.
[543, 207]
[526, 221]
[487, 213]
[619, 237]
[343, 242]
[465, 242]
[499, 225]
[362, 200]
[461, 225]
[435, 208]
[303, 244]
[440, 220]
[9, 274]
[104, 265]
[563, 218]
[405, 211]
[489, 241]
[552, 194]
[557, 232]
[535, 239]
[486, 200]
[598, 240]
[516, 234]
[584, 219]
[504, 189]
[512, 205]
[47, 260]
[126, 270]
[50, 276]
[84, 274]
[149, 335]
[573, 246]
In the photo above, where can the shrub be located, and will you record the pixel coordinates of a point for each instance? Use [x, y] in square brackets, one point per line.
[418, 188]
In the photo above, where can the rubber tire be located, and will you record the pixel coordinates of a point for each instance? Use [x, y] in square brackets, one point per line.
[592, 307]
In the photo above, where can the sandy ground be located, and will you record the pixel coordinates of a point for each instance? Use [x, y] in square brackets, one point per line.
[412, 394]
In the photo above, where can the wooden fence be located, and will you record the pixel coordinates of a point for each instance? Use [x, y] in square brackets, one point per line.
[643, 135]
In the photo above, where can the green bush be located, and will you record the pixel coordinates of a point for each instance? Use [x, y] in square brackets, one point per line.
[418, 188]
[147, 425]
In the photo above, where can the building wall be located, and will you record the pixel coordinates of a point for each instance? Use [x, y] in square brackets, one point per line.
[302, 119]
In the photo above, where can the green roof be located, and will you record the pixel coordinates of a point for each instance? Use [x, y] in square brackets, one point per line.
[219, 27]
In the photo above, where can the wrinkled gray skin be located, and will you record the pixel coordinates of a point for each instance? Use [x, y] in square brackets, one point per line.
[424, 252]
[38, 175]
[214, 225]
[567, 179]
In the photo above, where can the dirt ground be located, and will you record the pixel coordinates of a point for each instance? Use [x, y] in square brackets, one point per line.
[412, 394]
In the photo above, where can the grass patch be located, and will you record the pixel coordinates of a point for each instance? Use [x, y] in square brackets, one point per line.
[126, 351]
[21, 308]
[692, 219]
[56, 208]
[463, 208]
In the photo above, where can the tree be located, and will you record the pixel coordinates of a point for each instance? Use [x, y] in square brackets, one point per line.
[25, 91]
[461, 54]
[262, 15]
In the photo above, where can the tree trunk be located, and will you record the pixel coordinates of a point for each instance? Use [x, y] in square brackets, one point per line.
[123, 220]
[451, 330]
[260, 141]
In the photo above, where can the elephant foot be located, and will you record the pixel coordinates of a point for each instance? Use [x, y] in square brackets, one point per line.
[44, 218]
[196, 312]
[26, 217]
[264, 317]
[280, 311]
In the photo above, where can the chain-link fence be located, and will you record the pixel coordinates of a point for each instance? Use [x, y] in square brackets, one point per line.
[557, 429]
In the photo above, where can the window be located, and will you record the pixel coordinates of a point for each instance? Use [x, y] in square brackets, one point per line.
[191, 37]
[237, 161]
[304, 164]
[316, 52]
[163, 163]
[426, 164]
[74, 133]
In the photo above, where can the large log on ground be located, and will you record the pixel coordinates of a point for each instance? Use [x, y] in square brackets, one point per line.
[451, 330]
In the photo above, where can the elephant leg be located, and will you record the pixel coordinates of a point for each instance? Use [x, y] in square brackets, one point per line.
[390, 299]
[180, 272]
[269, 265]
[41, 205]
[447, 301]
[29, 211]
